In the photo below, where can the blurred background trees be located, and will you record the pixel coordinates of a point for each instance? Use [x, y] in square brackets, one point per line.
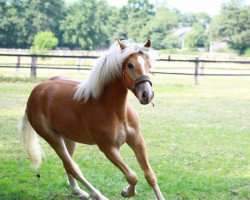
[233, 26]
[94, 24]
[85, 25]
[20, 21]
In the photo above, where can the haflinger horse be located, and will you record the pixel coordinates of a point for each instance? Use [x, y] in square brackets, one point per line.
[64, 111]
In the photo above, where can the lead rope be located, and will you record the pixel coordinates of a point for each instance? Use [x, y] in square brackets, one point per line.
[154, 75]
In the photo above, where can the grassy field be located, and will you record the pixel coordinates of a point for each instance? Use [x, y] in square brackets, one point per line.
[198, 140]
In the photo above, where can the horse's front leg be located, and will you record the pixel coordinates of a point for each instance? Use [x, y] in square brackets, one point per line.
[136, 142]
[113, 154]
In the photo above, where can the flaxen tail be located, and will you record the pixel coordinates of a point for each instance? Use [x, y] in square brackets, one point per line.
[29, 140]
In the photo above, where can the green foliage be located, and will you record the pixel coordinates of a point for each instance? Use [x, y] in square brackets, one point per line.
[160, 26]
[98, 29]
[93, 24]
[85, 25]
[21, 21]
[233, 26]
[189, 19]
[202, 18]
[44, 41]
[116, 26]
[172, 42]
[196, 38]
[138, 12]
[11, 24]
[247, 53]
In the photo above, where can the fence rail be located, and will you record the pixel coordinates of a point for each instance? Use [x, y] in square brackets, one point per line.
[47, 56]
[33, 66]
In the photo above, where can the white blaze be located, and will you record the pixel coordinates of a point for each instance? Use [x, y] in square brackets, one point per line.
[142, 63]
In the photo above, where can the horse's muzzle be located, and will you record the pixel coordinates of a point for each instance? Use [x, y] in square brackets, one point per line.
[144, 92]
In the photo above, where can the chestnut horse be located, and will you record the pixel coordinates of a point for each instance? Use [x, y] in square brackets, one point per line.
[64, 111]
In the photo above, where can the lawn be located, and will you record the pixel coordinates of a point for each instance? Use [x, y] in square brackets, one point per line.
[198, 140]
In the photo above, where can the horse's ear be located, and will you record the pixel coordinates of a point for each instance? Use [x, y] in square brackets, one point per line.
[148, 44]
[123, 46]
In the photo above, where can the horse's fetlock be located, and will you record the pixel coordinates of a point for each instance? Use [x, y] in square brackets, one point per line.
[132, 178]
[151, 179]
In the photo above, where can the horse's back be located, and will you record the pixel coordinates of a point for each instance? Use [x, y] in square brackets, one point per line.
[53, 87]
[64, 79]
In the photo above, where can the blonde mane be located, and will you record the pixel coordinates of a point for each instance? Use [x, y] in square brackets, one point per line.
[107, 68]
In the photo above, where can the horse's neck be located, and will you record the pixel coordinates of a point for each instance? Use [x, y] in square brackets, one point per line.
[115, 96]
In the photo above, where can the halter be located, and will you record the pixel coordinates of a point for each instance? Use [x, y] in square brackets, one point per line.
[129, 82]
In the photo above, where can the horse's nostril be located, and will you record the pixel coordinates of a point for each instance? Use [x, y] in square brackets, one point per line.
[144, 95]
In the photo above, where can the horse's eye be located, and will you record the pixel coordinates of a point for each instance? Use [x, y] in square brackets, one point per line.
[130, 65]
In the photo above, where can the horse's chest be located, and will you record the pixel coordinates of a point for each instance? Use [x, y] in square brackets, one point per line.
[121, 135]
[115, 134]
[124, 131]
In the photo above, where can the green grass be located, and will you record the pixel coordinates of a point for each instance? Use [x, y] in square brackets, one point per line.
[197, 137]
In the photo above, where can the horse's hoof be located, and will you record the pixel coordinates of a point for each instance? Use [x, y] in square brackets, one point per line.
[129, 191]
[97, 197]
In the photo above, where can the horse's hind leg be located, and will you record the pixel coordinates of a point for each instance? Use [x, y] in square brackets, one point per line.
[56, 141]
[76, 190]
[73, 169]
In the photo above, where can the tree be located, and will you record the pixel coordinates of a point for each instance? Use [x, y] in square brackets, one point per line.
[196, 38]
[188, 19]
[172, 42]
[139, 12]
[20, 21]
[44, 41]
[233, 26]
[41, 15]
[203, 19]
[160, 26]
[116, 26]
[10, 23]
[85, 25]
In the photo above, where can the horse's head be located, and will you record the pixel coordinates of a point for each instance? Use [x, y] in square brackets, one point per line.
[135, 77]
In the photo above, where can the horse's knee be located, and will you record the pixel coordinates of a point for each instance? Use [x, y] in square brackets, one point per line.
[151, 179]
[131, 178]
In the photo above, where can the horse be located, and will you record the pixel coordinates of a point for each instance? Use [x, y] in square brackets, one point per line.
[94, 112]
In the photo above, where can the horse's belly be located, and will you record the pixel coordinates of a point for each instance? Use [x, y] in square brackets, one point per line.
[76, 133]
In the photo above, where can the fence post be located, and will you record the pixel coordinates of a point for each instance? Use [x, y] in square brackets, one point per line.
[18, 63]
[78, 63]
[33, 66]
[196, 71]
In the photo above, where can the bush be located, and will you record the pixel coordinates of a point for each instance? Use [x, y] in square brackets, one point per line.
[44, 41]
[172, 42]
[247, 53]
